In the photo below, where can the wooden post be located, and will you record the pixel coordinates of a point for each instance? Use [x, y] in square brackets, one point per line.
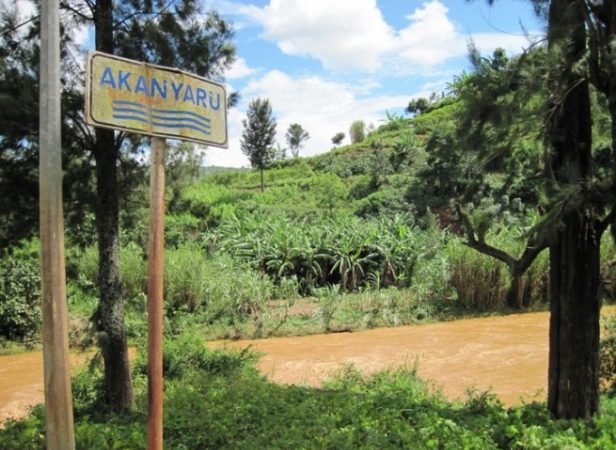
[156, 245]
[58, 402]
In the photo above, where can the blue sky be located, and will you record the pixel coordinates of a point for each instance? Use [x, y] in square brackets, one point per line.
[324, 63]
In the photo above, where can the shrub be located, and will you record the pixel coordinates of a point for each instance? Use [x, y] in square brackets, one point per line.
[187, 354]
[133, 268]
[607, 356]
[357, 131]
[237, 293]
[20, 298]
[185, 279]
[479, 280]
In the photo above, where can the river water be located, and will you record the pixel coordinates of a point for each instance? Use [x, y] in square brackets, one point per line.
[507, 354]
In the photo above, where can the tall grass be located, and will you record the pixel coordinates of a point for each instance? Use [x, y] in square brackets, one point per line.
[482, 282]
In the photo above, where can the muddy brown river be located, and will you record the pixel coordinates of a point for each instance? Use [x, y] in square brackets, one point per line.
[507, 354]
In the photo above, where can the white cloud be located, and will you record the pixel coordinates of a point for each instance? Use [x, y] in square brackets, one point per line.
[486, 43]
[343, 35]
[81, 35]
[322, 107]
[25, 8]
[239, 69]
[430, 38]
[346, 36]
[232, 156]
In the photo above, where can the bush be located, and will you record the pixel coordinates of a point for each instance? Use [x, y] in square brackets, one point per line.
[20, 298]
[133, 268]
[187, 354]
[217, 400]
[607, 356]
[186, 275]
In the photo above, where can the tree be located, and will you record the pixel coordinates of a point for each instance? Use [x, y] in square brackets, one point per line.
[296, 135]
[258, 135]
[357, 131]
[166, 33]
[417, 106]
[581, 206]
[19, 84]
[338, 138]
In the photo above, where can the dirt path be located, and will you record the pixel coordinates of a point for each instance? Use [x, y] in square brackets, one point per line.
[507, 354]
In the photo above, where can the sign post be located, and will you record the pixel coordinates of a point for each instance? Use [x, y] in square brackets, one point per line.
[58, 401]
[161, 102]
[156, 245]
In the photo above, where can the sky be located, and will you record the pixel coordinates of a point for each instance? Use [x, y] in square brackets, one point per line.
[326, 63]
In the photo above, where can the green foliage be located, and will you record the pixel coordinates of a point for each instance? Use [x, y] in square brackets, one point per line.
[235, 293]
[187, 354]
[259, 133]
[480, 281]
[394, 122]
[417, 106]
[215, 399]
[607, 356]
[404, 151]
[345, 251]
[296, 135]
[186, 275]
[132, 265]
[357, 131]
[20, 296]
[338, 138]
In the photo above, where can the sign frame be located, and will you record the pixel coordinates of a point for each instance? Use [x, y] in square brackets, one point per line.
[91, 120]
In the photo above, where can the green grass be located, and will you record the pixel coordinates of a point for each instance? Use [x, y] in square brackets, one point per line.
[217, 400]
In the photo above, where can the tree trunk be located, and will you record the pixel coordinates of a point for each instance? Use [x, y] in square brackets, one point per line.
[573, 384]
[118, 385]
[573, 387]
[262, 179]
[514, 299]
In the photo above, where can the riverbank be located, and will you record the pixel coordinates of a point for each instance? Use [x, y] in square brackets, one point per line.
[504, 354]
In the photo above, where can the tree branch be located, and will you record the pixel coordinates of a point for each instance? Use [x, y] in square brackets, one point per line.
[480, 246]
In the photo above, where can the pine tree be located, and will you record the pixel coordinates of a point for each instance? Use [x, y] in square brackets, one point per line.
[258, 135]
[581, 203]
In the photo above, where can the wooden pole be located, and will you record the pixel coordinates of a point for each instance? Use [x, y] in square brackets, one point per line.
[58, 402]
[156, 244]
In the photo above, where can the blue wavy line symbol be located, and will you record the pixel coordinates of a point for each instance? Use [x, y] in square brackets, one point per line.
[164, 118]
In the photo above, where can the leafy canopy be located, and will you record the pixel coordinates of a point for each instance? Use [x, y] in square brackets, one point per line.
[259, 134]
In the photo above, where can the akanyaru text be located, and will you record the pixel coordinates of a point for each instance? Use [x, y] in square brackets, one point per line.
[152, 87]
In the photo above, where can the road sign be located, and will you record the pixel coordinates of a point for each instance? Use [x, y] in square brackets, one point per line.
[153, 100]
